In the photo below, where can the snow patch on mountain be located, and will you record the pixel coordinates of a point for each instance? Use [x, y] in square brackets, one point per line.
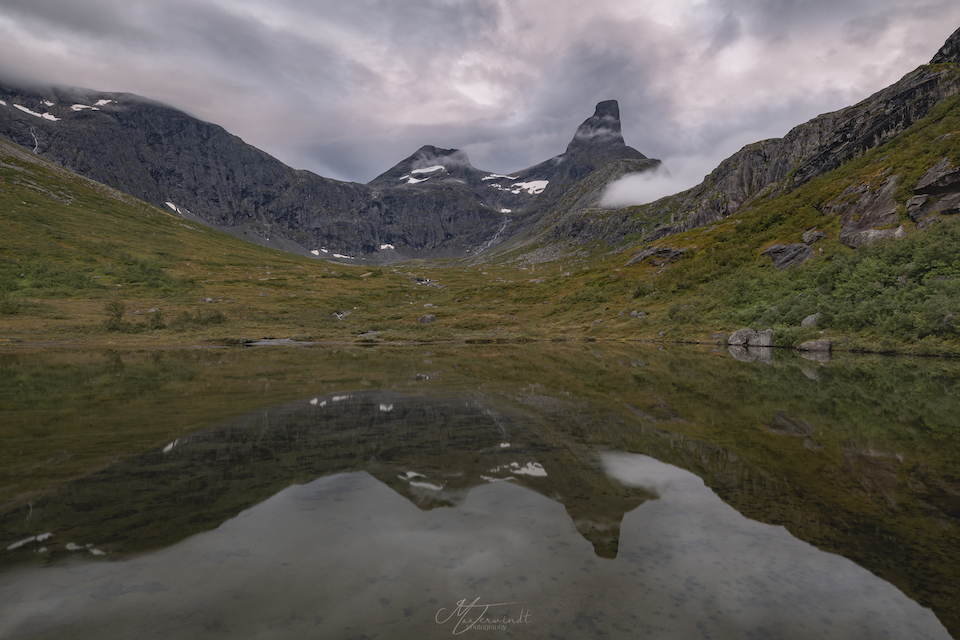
[411, 180]
[533, 187]
[46, 116]
[495, 176]
[101, 103]
[177, 209]
[48, 103]
[386, 246]
[435, 167]
[81, 107]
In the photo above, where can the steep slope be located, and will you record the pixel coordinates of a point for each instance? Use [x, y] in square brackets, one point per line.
[807, 151]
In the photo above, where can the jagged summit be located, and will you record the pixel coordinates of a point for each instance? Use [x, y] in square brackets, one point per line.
[950, 51]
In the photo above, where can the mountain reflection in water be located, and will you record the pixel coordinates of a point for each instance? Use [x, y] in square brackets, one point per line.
[389, 512]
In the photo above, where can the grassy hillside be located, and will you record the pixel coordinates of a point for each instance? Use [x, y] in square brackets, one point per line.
[901, 295]
[84, 264]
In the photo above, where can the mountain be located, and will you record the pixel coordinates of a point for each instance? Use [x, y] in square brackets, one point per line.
[432, 204]
[780, 165]
[597, 142]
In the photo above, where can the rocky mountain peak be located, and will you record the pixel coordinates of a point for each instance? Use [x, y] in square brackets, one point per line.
[950, 51]
[428, 163]
[429, 155]
[602, 127]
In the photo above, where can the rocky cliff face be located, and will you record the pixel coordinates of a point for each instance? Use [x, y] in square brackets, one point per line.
[434, 203]
[809, 150]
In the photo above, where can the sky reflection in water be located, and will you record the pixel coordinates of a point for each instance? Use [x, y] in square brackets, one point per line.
[346, 556]
[380, 492]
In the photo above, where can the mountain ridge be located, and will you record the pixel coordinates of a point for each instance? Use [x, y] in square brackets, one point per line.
[201, 171]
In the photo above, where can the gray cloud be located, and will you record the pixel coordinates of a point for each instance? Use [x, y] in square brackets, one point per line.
[348, 89]
[727, 32]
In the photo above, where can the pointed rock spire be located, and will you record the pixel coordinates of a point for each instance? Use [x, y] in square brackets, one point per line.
[603, 126]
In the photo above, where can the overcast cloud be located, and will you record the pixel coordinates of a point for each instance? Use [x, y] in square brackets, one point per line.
[348, 89]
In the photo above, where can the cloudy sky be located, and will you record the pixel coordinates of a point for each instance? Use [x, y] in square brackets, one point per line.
[349, 88]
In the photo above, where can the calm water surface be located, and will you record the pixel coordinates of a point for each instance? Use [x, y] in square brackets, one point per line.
[517, 491]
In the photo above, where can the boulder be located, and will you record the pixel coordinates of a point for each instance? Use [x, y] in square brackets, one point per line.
[750, 338]
[427, 319]
[819, 346]
[742, 337]
[764, 339]
[810, 321]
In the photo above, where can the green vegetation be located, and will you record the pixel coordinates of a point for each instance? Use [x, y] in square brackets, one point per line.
[896, 295]
[70, 248]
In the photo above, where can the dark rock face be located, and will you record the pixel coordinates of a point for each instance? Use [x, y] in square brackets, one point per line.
[786, 425]
[657, 256]
[865, 209]
[950, 51]
[937, 193]
[941, 179]
[788, 255]
[813, 236]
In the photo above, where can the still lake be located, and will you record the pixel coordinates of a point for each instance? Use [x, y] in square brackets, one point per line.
[579, 490]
